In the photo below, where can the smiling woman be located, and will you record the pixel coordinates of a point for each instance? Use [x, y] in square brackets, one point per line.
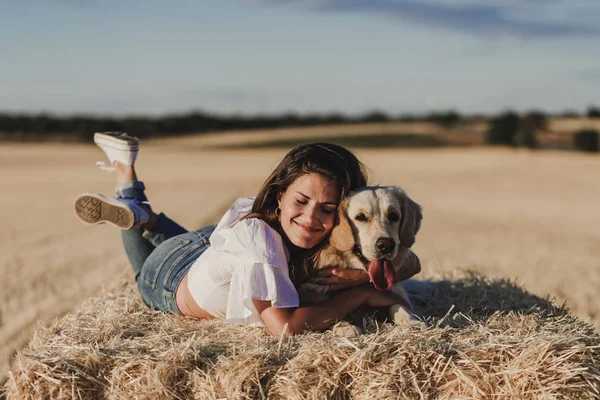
[238, 270]
[307, 210]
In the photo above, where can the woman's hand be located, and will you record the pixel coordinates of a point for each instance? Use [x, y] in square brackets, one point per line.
[411, 267]
[342, 278]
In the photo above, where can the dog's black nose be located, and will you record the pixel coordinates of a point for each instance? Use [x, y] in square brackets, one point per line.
[385, 245]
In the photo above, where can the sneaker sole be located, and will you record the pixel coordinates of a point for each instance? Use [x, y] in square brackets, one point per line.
[130, 147]
[115, 142]
[95, 209]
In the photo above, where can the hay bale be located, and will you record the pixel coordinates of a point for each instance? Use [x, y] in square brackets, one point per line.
[483, 336]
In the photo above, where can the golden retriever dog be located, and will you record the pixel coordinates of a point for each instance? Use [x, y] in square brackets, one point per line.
[376, 228]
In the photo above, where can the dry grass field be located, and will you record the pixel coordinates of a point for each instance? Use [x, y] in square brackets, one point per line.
[531, 217]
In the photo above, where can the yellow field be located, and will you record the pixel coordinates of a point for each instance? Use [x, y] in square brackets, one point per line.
[529, 216]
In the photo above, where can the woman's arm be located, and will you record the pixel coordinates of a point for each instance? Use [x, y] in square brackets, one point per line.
[322, 315]
[342, 278]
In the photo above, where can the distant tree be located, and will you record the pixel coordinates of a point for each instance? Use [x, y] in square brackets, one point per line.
[334, 118]
[525, 136]
[8, 123]
[538, 119]
[290, 119]
[109, 125]
[502, 129]
[593, 112]
[569, 114]
[586, 140]
[140, 126]
[446, 119]
[407, 118]
[375, 116]
[43, 123]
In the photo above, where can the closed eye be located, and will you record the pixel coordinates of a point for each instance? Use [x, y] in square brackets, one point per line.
[361, 217]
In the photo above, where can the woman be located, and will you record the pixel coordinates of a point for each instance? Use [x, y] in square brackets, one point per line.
[239, 270]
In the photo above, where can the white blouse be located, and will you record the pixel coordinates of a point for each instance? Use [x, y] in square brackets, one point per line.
[246, 260]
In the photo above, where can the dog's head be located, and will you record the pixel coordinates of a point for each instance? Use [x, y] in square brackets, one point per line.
[374, 223]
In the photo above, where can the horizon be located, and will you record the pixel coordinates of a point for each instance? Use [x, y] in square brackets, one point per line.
[417, 116]
[265, 57]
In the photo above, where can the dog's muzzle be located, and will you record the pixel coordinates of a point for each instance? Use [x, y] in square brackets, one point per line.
[358, 252]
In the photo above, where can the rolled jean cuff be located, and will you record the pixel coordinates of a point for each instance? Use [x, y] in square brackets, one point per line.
[161, 229]
[131, 190]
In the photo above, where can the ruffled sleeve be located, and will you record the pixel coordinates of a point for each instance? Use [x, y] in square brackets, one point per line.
[262, 273]
[261, 282]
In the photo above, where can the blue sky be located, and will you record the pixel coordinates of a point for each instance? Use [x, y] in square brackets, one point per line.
[113, 57]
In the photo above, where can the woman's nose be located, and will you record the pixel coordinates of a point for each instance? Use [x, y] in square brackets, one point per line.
[313, 212]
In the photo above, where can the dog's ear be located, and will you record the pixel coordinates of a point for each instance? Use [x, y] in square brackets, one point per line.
[411, 219]
[341, 236]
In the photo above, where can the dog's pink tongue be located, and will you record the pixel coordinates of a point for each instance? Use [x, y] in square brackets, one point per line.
[382, 274]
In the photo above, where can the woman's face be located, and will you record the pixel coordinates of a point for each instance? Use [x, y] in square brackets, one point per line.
[308, 208]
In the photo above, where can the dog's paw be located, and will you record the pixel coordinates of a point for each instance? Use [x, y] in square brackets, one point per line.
[401, 316]
[346, 329]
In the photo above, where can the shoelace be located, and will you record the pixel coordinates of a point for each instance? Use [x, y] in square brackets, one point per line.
[105, 167]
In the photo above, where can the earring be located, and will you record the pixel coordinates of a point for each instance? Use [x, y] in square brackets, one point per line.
[278, 211]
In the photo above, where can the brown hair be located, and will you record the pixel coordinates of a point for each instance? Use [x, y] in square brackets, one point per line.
[334, 162]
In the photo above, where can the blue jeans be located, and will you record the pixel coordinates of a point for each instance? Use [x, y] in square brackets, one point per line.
[162, 255]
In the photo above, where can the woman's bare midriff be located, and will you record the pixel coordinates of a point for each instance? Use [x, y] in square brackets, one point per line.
[186, 303]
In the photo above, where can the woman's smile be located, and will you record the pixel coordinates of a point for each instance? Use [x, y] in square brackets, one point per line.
[307, 228]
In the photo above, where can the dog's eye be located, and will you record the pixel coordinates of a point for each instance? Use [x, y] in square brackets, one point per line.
[393, 217]
[361, 217]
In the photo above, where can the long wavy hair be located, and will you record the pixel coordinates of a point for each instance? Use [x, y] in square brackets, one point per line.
[331, 161]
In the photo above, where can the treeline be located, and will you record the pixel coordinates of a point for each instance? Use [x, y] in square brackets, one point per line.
[25, 127]
[512, 129]
[81, 127]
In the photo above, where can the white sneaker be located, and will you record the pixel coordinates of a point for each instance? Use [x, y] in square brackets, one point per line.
[96, 208]
[118, 146]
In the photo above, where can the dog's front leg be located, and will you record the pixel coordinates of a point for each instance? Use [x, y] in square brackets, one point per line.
[401, 314]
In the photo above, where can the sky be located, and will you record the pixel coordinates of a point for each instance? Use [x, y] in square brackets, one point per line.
[154, 57]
